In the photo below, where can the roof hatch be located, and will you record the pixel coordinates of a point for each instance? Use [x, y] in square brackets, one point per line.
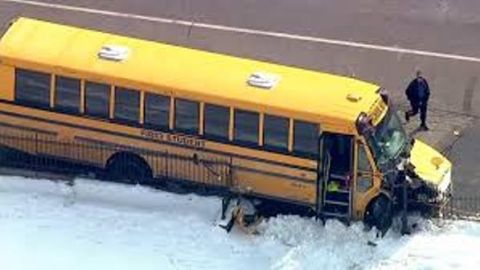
[114, 52]
[263, 80]
[353, 97]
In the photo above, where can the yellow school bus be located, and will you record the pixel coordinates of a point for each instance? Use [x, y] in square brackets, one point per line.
[331, 144]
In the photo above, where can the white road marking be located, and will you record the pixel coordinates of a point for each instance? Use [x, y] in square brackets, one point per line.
[252, 31]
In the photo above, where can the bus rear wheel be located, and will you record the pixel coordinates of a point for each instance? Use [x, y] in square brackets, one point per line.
[379, 214]
[128, 168]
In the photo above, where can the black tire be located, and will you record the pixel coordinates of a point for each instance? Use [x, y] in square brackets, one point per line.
[129, 169]
[379, 214]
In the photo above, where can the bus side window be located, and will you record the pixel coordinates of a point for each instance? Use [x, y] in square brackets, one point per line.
[217, 119]
[246, 126]
[97, 99]
[276, 130]
[32, 88]
[305, 138]
[127, 105]
[363, 162]
[365, 172]
[157, 111]
[67, 94]
[187, 116]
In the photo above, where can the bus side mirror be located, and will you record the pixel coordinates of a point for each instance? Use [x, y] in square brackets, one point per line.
[364, 125]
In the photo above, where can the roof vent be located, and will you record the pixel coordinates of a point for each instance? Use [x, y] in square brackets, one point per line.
[263, 80]
[354, 97]
[113, 52]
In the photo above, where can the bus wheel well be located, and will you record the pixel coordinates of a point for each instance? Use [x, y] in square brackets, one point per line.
[379, 213]
[128, 167]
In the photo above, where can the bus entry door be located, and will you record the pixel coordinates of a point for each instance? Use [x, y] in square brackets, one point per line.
[335, 175]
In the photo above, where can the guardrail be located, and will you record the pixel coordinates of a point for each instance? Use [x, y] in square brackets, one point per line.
[39, 153]
[462, 207]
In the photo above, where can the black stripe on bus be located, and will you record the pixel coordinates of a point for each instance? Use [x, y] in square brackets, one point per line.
[88, 140]
[46, 132]
[155, 141]
[164, 154]
[300, 179]
[283, 199]
[295, 178]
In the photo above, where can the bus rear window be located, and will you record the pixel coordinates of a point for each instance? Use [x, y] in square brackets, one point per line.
[305, 138]
[32, 88]
[246, 127]
[97, 99]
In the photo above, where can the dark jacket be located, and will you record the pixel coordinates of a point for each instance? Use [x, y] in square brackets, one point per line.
[418, 90]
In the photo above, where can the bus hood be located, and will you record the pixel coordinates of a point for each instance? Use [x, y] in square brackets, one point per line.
[431, 166]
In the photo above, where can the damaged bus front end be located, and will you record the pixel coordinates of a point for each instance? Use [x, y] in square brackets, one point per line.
[415, 177]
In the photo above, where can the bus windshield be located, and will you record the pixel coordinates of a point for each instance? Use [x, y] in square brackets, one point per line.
[388, 138]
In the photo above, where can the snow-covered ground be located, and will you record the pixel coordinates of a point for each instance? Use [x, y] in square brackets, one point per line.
[96, 225]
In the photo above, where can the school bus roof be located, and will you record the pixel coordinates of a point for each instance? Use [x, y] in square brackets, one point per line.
[185, 72]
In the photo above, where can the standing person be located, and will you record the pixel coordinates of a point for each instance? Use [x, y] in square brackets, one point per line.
[418, 93]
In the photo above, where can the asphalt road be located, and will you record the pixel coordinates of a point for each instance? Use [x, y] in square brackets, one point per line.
[465, 155]
[431, 26]
[448, 26]
[451, 27]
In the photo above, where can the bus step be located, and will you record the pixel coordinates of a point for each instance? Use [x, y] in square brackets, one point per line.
[335, 208]
[336, 202]
[333, 214]
[339, 177]
[335, 196]
[340, 191]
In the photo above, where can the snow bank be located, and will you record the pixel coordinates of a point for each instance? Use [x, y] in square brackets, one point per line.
[96, 225]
